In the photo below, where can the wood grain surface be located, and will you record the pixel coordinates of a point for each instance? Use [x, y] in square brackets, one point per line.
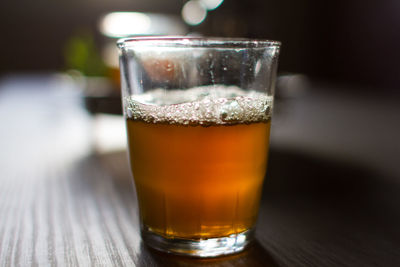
[64, 204]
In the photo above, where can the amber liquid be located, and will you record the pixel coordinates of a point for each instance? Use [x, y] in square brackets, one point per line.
[198, 182]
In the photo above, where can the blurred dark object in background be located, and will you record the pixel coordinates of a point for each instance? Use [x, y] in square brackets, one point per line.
[352, 41]
[101, 96]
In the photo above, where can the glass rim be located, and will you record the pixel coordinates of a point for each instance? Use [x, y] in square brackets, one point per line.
[198, 42]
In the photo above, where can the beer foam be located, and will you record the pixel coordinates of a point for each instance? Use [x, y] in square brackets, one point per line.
[205, 105]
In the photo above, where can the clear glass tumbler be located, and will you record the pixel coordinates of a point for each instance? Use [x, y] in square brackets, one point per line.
[198, 116]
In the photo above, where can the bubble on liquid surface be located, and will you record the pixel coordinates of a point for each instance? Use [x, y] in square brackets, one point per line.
[205, 105]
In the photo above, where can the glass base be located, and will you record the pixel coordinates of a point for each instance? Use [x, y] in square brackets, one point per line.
[202, 248]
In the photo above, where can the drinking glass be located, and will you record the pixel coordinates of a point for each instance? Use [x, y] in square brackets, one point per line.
[198, 115]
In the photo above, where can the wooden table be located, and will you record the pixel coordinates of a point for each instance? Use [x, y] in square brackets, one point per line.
[330, 198]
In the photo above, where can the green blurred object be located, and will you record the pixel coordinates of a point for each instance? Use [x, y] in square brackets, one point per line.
[81, 53]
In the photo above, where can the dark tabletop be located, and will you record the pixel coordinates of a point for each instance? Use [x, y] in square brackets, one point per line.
[330, 197]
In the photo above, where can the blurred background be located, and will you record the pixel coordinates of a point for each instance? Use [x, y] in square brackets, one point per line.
[354, 41]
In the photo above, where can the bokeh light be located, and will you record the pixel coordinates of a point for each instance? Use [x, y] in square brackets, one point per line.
[194, 12]
[212, 4]
[122, 24]
[125, 24]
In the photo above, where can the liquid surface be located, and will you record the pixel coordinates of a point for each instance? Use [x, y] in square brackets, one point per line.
[198, 178]
[204, 105]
